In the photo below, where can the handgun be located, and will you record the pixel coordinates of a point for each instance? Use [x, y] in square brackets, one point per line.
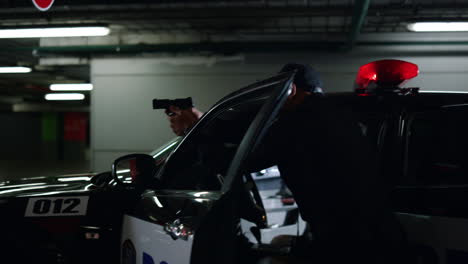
[182, 103]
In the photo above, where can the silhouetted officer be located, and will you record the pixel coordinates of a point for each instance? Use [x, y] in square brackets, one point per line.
[328, 165]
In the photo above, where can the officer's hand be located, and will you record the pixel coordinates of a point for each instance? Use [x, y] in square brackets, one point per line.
[174, 115]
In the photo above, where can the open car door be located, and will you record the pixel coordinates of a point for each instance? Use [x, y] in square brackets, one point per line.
[191, 213]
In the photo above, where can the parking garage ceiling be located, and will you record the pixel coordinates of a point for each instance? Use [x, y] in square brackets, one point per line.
[142, 27]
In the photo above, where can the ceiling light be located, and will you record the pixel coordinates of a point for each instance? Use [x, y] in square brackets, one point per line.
[71, 87]
[64, 96]
[51, 32]
[438, 26]
[15, 69]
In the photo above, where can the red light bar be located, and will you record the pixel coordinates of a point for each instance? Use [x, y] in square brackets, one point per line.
[386, 73]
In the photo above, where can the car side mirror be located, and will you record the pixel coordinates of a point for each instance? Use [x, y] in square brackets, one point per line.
[135, 170]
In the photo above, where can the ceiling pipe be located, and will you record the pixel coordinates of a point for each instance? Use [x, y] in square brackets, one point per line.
[220, 48]
[360, 12]
[176, 12]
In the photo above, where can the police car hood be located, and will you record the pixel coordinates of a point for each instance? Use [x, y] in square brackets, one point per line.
[73, 183]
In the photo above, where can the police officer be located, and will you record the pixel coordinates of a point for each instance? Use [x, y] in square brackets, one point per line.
[332, 173]
[181, 120]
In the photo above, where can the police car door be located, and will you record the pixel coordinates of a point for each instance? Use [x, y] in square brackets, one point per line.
[192, 216]
[431, 202]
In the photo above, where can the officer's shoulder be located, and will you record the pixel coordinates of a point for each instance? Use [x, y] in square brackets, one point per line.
[321, 103]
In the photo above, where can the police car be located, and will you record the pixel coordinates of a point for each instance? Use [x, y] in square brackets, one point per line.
[192, 201]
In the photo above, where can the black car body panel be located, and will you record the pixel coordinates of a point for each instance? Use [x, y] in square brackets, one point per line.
[52, 217]
[43, 185]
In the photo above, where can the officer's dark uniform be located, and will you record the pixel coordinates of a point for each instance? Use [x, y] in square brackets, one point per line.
[328, 165]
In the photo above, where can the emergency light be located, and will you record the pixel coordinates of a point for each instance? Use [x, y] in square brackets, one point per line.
[384, 76]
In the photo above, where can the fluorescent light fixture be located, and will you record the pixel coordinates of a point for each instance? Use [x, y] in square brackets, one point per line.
[64, 96]
[54, 32]
[15, 69]
[438, 26]
[71, 87]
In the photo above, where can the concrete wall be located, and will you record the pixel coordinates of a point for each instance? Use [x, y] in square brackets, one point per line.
[21, 136]
[122, 120]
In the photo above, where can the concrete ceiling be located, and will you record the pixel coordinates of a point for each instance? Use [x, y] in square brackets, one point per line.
[142, 27]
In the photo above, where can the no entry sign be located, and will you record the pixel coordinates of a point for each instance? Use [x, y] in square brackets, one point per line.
[43, 5]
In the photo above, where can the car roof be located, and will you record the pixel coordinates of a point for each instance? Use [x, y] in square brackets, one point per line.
[255, 87]
[419, 100]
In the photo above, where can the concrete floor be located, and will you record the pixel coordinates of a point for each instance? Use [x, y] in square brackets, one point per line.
[13, 169]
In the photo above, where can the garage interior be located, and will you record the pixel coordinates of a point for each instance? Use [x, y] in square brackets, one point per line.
[202, 49]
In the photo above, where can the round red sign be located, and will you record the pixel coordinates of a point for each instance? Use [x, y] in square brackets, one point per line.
[43, 5]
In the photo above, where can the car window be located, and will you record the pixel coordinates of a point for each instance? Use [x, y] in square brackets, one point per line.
[201, 161]
[437, 147]
[165, 149]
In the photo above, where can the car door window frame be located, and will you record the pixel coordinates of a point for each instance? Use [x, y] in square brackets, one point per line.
[435, 116]
[258, 129]
[225, 104]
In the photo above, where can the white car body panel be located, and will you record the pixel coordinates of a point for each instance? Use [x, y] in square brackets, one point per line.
[151, 239]
[439, 233]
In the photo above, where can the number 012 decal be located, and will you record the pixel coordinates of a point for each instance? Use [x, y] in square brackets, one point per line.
[57, 206]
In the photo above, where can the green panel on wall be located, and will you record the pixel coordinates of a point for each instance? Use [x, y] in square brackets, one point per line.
[49, 126]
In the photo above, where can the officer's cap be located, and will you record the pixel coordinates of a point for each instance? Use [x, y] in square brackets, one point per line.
[306, 77]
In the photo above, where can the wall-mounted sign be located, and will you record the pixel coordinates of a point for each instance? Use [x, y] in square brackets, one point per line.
[43, 5]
